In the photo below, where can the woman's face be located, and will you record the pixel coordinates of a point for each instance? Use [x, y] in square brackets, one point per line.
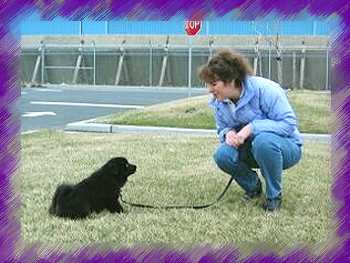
[222, 90]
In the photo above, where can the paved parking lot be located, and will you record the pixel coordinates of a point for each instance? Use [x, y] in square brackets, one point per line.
[56, 106]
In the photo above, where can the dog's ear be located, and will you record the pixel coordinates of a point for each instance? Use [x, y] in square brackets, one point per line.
[120, 167]
[113, 166]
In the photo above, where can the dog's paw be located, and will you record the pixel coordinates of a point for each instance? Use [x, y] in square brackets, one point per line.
[120, 210]
[116, 209]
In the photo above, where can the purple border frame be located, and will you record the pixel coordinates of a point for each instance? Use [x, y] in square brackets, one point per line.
[12, 11]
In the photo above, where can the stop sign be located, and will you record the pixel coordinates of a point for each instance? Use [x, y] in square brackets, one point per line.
[192, 27]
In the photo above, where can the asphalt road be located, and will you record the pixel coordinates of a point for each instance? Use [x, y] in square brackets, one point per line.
[56, 106]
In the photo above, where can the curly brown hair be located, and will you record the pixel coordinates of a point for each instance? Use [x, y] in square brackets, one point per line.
[226, 66]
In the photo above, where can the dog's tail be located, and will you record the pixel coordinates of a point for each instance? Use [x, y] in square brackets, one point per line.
[64, 189]
[61, 191]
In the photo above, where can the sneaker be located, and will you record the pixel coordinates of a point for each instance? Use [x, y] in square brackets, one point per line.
[254, 194]
[272, 204]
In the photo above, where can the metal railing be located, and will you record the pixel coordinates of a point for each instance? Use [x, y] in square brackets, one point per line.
[284, 63]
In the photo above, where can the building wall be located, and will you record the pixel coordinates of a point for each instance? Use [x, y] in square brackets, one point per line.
[64, 27]
[137, 69]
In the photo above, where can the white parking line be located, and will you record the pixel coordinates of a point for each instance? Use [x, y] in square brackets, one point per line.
[60, 103]
[38, 113]
[29, 132]
[47, 90]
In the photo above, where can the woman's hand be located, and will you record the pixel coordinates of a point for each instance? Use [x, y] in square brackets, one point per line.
[232, 138]
[244, 133]
[236, 139]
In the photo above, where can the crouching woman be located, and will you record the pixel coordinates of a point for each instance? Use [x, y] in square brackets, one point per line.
[256, 126]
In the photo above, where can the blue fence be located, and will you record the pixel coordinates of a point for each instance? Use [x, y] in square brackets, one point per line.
[34, 26]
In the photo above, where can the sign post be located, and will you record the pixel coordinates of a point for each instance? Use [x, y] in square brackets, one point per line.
[192, 27]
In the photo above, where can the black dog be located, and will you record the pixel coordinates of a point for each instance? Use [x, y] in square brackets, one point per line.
[98, 192]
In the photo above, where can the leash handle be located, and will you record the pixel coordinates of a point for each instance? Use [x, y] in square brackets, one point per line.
[179, 206]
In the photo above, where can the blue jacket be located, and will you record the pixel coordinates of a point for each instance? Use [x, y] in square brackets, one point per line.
[263, 104]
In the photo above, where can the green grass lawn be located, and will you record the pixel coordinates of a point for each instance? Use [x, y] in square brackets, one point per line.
[311, 107]
[171, 170]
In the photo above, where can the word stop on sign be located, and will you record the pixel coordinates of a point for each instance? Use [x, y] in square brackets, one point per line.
[192, 27]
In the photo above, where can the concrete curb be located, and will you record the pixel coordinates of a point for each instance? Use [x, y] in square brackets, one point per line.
[322, 138]
[91, 126]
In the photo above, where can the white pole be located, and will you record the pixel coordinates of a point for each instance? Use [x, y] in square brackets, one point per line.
[42, 62]
[94, 46]
[302, 67]
[294, 58]
[327, 68]
[189, 65]
[270, 59]
[150, 64]
[80, 27]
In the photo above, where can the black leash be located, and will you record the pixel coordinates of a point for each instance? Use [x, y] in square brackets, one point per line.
[179, 206]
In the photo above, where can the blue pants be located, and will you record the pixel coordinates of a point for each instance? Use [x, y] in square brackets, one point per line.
[269, 152]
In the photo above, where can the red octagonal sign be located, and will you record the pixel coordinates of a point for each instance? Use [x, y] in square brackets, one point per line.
[192, 27]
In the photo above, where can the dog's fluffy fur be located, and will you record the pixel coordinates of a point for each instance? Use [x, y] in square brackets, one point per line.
[98, 192]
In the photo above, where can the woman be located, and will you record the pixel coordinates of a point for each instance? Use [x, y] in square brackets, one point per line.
[256, 126]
